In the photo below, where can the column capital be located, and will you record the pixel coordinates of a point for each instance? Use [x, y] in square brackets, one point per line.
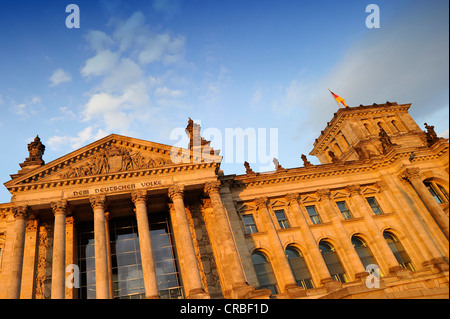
[292, 197]
[212, 187]
[98, 201]
[139, 197]
[412, 173]
[324, 193]
[176, 192]
[382, 186]
[354, 189]
[59, 207]
[262, 202]
[21, 212]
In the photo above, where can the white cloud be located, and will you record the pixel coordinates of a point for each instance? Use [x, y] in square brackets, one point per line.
[444, 134]
[167, 7]
[85, 136]
[20, 109]
[294, 94]
[59, 76]
[100, 64]
[98, 40]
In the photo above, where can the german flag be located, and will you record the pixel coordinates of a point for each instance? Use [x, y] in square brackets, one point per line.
[338, 99]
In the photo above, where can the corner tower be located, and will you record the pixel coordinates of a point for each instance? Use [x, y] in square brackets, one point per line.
[363, 132]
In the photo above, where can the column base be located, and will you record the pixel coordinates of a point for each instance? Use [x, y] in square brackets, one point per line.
[152, 297]
[198, 293]
[241, 291]
[294, 291]
[400, 272]
[437, 265]
[330, 284]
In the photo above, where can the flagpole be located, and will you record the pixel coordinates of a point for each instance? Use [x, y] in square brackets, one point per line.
[334, 99]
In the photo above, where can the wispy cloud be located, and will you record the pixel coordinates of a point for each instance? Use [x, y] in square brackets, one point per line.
[60, 76]
[125, 96]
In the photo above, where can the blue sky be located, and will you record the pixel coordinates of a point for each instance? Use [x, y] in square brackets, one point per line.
[141, 68]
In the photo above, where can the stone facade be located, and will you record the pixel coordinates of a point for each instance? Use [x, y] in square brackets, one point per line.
[379, 197]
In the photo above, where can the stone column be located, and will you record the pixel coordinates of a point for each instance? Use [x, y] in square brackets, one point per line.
[183, 235]
[308, 238]
[148, 263]
[108, 253]
[240, 285]
[423, 245]
[59, 250]
[413, 176]
[378, 238]
[20, 214]
[281, 263]
[98, 204]
[342, 235]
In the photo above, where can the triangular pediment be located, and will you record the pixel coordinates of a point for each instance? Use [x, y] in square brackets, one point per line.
[112, 155]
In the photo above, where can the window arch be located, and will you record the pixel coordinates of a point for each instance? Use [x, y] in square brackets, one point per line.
[264, 272]
[436, 190]
[363, 251]
[399, 251]
[332, 261]
[299, 268]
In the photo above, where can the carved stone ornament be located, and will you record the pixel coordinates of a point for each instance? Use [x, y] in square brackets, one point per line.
[212, 187]
[324, 193]
[113, 159]
[430, 135]
[306, 163]
[98, 201]
[292, 197]
[139, 197]
[353, 189]
[248, 170]
[385, 140]
[35, 151]
[176, 192]
[59, 207]
[261, 202]
[21, 212]
[411, 173]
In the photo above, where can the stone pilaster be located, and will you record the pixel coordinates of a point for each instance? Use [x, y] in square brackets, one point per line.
[308, 238]
[184, 242]
[413, 176]
[341, 234]
[240, 285]
[281, 263]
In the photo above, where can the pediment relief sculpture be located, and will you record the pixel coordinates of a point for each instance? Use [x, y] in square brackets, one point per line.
[114, 159]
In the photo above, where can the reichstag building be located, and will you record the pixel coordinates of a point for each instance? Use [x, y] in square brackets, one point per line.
[119, 218]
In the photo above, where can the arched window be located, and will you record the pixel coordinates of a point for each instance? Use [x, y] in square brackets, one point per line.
[399, 251]
[264, 272]
[363, 251]
[299, 268]
[437, 191]
[332, 261]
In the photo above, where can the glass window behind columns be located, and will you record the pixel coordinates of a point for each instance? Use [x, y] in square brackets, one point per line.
[166, 265]
[127, 274]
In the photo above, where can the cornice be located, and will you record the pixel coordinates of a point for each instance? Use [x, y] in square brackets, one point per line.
[153, 172]
[342, 168]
